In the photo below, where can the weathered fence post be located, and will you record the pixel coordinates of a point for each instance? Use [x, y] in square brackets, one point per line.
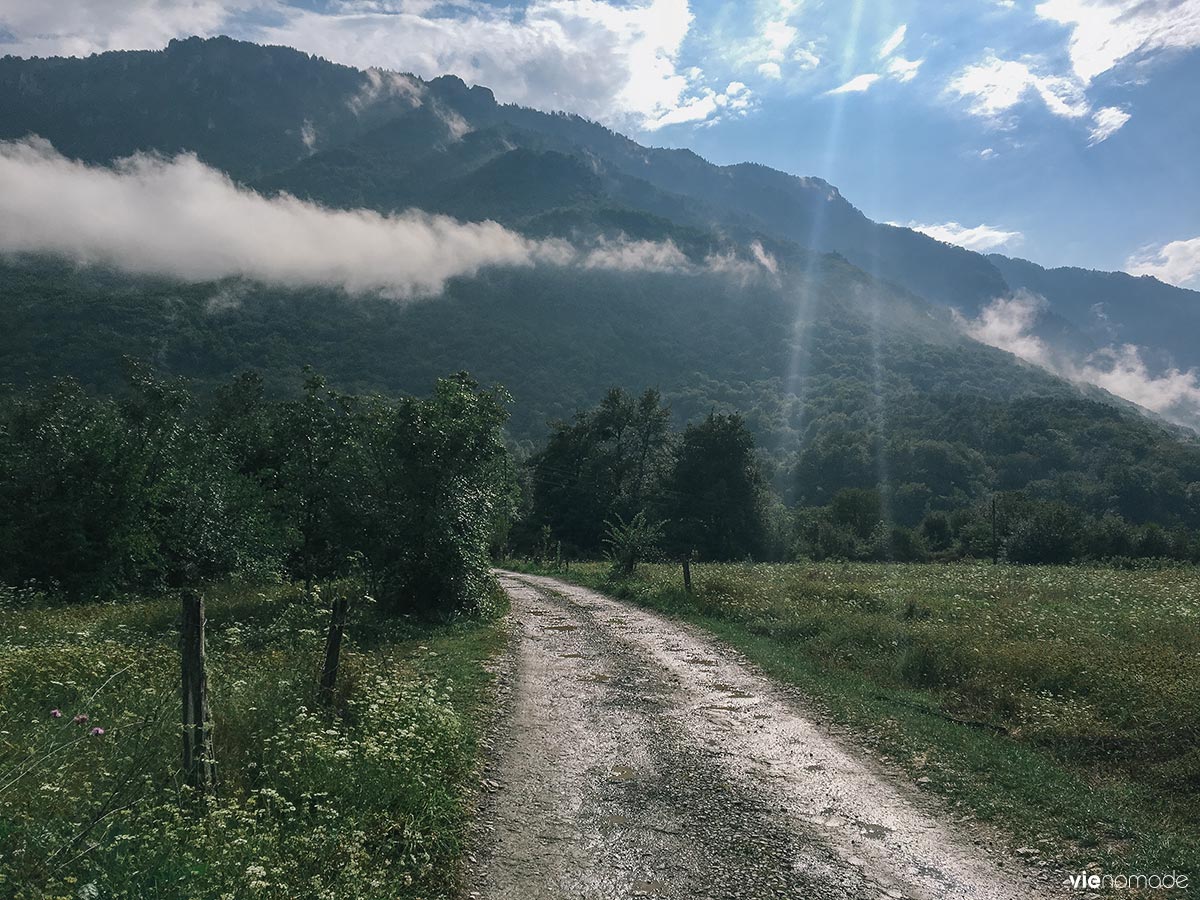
[198, 761]
[995, 543]
[687, 573]
[333, 643]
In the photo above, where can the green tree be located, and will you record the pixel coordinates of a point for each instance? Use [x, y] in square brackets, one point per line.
[714, 501]
[632, 542]
[425, 481]
[857, 509]
[312, 434]
[609, 461]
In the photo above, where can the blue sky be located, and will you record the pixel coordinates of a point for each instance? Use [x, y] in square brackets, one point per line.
[1063, 131]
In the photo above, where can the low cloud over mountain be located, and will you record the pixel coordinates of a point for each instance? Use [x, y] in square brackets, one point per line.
[178, 217]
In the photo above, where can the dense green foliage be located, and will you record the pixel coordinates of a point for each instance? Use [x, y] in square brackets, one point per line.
[706, 488]
[616, 479]
[715, 492]
[1062, 703]
[848, 386]
[608, 463]
[368, 802]
[1010, 526]
[158, 488]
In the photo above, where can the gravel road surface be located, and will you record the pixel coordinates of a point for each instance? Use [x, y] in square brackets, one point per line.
[637, 757]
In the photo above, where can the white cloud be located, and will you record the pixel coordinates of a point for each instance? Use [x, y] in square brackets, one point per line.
[179, 218]
[1175, 263]
[1103, 34]
[902, 69]
[646, 256]
[742, 270]
[82, 27]
[764, 259]
[856, 85]
[995, 86]
[771, 47]
[893, 42]
[1122, 371]
[612, 60]
[806, 58]
[1009, 323]
[381, 84]
[617, 62]
[987, 153]
[1106, 32]
[894, 66]
[777, 36]
[1107, 121]
[736, 99]
[980, 237]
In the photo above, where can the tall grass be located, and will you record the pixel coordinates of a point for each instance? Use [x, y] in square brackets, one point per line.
[365, 799]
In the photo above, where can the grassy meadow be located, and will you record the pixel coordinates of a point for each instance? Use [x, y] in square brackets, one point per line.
[1060, 703]
[364, 799]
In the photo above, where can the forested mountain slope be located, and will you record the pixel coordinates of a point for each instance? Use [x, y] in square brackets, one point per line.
[829, 331]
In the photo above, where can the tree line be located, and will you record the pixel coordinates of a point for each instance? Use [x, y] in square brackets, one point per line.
[157, 487]
[702, 488]
[703, 493]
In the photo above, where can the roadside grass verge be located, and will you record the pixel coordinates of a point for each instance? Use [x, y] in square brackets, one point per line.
[1061, 704]
[365, 799]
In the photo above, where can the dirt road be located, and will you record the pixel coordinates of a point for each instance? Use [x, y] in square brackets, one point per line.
[639, 758]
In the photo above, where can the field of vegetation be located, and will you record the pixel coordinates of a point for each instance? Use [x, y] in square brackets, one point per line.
[1061, 703]
[359, 796]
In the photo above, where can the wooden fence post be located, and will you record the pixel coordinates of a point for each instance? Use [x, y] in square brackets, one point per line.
[995, 543]
[198, 761]
[687, 573]
[333, 643]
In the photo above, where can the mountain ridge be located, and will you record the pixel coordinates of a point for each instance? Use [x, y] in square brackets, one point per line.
[834, 335]
[666, 168]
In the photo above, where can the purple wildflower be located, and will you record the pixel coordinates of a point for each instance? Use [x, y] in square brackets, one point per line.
[80, 719]
[97, 732]
[56, 713]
